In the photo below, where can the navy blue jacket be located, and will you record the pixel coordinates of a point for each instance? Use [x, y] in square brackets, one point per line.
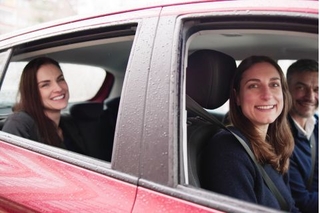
[300, 169]
[226, 168]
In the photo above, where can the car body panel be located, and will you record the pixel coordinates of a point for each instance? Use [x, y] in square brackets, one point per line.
[130, 122]
[234, 7]
[151, 201]
[39, 182]
[160, 135]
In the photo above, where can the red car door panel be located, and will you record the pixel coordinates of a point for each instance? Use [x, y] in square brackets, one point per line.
[40, 182]
[152, 201]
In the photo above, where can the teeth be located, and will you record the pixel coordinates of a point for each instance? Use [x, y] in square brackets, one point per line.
[265, 107]
[58, 97]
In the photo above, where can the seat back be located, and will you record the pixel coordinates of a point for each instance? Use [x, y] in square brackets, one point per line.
[209, 76]
[87, 116]
[109, 120]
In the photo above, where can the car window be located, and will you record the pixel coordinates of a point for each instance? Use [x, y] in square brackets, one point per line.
[208, 81]
[94, 69]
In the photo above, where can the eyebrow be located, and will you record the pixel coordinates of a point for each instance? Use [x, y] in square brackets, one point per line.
[301, 83]
[258, 80]
[46, 81]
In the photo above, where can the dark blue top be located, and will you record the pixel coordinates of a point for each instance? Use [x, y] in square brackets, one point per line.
[226, 168]
[300, 170]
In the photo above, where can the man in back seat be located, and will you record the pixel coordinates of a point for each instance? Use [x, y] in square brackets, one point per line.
[302, 78]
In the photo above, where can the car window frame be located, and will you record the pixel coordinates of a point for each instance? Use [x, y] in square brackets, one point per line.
[92, 164]
[224, 20]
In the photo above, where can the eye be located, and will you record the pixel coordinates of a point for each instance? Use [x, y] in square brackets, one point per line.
[43, 85]
[251, 86]
[61, 79]
[300, 87]
[275, 84]
[316, 90]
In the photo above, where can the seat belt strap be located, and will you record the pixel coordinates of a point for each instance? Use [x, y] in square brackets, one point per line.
[194, 107]
[313, 159]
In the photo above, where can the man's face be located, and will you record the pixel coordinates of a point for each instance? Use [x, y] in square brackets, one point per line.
[304, 91]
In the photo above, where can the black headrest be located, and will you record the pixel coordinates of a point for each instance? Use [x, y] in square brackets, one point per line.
[86, 110]
[209, 75]
[113, 103]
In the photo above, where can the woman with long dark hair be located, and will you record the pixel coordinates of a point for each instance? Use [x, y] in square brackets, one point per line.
[259, 104]
[43, 93]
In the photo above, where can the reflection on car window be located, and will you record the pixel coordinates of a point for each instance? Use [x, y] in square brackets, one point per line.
[2, 58]
[82, 86]
[86, 83]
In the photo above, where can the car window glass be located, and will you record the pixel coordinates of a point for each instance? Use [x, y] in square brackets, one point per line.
[2, 59]
[82, 86]
[3, 56]
[94, 69]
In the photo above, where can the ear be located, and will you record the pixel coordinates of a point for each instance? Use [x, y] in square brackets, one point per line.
[237, 97]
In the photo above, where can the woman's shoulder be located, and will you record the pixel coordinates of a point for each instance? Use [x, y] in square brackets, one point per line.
[225, 147]
[20, 116]
[228, 134]
[21, 124]
[17, 119]
[225, 142]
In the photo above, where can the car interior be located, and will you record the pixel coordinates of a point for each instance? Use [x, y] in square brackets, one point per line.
[205, 68]
[212, 55]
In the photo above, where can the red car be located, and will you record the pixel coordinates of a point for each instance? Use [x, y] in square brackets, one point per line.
[127, 76]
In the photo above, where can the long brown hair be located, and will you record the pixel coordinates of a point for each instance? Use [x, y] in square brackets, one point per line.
[278, 145]
[30, 100]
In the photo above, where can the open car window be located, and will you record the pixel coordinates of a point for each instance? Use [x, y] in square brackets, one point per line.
[283, 44]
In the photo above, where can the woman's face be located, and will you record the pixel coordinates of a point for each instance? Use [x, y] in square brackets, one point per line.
[260, 96]
[53, 88]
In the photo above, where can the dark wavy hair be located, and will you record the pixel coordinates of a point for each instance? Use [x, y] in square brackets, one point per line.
[278, 145]
[302, 65]
[30, 100]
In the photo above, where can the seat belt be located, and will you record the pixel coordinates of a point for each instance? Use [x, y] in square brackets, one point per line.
[313, 159]
[194, 107]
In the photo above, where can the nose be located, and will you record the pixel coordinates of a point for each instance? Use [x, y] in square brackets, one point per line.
[57, 87]
[266, 93]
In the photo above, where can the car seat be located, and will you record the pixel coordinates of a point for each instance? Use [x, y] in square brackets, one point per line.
[87, 116]
[109, 120]
[209, 75]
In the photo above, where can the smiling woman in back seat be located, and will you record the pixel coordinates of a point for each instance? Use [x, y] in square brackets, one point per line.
[259, 104]
[43, 93]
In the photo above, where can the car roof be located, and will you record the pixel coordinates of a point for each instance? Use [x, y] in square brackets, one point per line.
[237, 41]
[306, 6]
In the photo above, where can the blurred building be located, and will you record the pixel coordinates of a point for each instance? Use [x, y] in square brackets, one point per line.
[18, 14]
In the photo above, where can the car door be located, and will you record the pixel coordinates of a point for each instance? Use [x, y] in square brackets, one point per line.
[37, 177]
[168, 185]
